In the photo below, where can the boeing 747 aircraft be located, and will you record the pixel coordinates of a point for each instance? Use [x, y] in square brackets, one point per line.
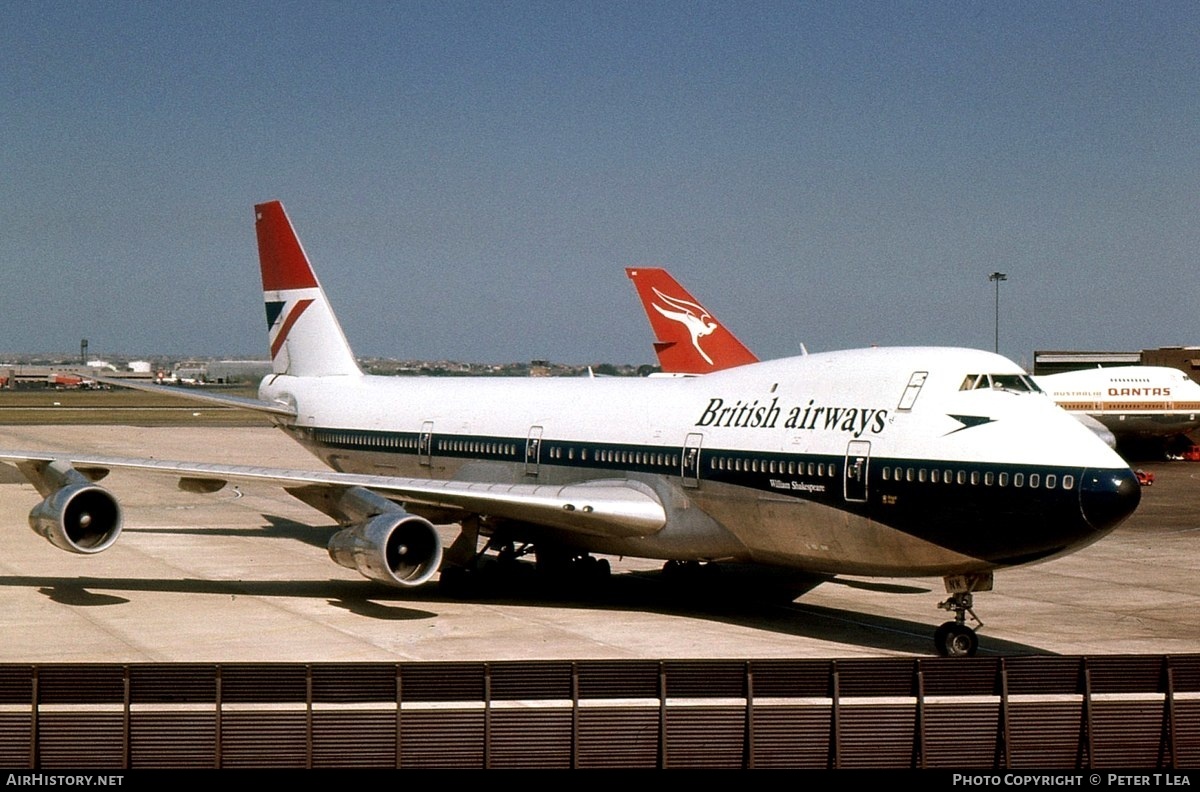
[1119, 403]
[1131, 401]
[865, 462]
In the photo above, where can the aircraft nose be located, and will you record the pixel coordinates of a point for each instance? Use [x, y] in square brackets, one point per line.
[1108, 496]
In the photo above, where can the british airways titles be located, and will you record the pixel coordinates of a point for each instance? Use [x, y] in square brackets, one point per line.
[757, 415]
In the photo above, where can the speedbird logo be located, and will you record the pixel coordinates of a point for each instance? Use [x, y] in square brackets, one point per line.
[279, 321]
[690, 315]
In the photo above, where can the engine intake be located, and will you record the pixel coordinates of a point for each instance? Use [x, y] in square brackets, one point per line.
[395, 547]
[78, 518]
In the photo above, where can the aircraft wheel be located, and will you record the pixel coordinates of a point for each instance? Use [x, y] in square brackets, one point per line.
[955, 640]
[589, 571]
[689, 572]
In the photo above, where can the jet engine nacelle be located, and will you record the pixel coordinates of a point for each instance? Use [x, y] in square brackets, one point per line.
[395, 547]
[78, 518]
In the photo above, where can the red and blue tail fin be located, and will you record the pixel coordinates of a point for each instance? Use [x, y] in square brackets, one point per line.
[305, 337]
[689, 339]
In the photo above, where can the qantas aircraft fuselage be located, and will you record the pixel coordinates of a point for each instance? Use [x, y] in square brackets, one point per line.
[1131, 401]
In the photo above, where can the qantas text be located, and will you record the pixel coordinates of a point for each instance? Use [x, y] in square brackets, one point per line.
[755, 415]
[1139, 391]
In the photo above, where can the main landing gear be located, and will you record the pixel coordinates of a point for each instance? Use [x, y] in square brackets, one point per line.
[502, 564]
[955, 638]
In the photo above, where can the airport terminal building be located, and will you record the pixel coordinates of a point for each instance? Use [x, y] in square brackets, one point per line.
[1186, 359]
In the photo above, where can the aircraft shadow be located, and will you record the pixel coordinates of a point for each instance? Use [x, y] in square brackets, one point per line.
[756, 598]
[10, 475]
[276, 528]
[764, 603]
[753, 597]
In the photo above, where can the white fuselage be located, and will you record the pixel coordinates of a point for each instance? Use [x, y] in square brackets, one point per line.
[1131, 401]
[869, 461]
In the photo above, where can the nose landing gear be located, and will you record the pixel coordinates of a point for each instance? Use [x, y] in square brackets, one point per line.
[955, 638]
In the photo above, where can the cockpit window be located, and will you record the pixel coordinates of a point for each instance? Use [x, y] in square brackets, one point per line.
[1019, 383]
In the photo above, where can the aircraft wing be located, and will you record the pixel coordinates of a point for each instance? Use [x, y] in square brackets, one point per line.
[613, 508]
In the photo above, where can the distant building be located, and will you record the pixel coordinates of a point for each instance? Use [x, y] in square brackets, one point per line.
[1057, 362]
[234, 371]
[1186, 359]
[190, 373]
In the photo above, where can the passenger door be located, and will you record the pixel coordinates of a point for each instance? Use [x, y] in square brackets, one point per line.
[858, 461]
[533, 451]
[690, 462]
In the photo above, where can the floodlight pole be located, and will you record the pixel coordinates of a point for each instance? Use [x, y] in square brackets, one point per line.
[996, 277]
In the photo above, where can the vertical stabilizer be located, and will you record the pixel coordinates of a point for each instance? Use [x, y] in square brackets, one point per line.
[689, 340]
[305, 337]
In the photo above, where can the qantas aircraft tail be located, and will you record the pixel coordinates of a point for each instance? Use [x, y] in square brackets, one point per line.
[689, 340]
[305, 337]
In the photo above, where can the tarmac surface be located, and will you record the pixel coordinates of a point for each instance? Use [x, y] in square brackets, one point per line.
[243, 576]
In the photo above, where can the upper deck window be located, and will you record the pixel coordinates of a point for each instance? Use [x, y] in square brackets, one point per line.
[912, 390]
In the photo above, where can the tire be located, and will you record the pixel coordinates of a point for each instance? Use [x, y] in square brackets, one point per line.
[955, 640]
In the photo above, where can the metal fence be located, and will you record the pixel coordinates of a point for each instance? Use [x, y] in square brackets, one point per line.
[962, 713]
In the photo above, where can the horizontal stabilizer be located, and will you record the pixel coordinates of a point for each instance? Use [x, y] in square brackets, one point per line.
[199, 395]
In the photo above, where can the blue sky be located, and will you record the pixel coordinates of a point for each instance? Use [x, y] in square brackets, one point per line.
[472, 178]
